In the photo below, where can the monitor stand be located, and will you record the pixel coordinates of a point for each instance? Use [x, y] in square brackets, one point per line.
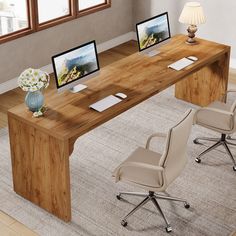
[78, 88]
[152, 53]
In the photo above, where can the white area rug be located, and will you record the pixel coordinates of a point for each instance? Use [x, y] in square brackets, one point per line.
[210, 187]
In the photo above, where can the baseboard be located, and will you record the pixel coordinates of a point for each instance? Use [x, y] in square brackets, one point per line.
[115, 42]
[134, 36]
[12, 84]
[8, 85]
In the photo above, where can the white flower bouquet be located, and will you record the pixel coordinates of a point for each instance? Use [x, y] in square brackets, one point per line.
[32, 80]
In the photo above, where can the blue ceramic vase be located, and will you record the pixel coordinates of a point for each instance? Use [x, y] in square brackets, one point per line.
[34, 100]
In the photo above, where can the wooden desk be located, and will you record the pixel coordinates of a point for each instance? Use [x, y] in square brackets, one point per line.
[41, 148]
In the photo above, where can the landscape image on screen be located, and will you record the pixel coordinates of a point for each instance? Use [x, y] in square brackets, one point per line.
[153, 31]
[75, 64]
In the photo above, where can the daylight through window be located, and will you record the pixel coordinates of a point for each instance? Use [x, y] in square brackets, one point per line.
[52, 9]
[13, 16]
[85, 4]
[22, 17]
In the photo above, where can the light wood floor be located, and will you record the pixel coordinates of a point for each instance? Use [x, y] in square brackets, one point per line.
[16, 96]
[11, 227]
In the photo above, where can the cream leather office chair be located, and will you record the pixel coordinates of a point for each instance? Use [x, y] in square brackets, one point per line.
[153, 171]
[219, 117]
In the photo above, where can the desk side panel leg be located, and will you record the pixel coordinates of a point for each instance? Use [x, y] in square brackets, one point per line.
[206, 85]
[40, 166]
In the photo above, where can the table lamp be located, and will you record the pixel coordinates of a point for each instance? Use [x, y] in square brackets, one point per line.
[193, 15]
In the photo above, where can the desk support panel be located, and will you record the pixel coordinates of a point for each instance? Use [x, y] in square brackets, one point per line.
[40, 148]
[207, 84]
[40, 166]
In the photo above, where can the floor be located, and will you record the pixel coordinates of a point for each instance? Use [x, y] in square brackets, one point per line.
[95, 209]
[11, 227]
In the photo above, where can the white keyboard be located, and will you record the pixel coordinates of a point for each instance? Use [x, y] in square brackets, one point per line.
[105, 103]
[181, 64]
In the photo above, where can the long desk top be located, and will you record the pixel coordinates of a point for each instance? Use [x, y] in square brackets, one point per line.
[138, 76]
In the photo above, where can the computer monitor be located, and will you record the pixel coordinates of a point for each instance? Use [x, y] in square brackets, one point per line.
[75, 66]
[153, 33]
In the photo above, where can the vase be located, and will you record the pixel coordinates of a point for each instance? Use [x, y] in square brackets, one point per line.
[34, 100]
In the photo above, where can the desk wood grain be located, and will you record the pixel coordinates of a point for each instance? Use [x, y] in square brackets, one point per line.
[41, 161]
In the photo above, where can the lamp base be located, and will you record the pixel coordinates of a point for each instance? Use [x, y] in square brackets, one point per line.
[191, 35]
[191, 43]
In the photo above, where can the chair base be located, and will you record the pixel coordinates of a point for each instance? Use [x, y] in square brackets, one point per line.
[151, 196]
[223, 141]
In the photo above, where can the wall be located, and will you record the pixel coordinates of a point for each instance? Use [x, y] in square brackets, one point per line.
[220, 14]
[220, 22]
[144, 9]
[35, 50]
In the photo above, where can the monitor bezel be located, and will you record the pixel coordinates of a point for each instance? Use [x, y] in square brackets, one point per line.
[152, 18]
[82, 78]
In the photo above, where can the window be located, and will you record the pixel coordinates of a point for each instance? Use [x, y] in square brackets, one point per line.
[89, 6]
[21, 17]
[52, 9]
[13, 16]
[53, 12]
[85, 4]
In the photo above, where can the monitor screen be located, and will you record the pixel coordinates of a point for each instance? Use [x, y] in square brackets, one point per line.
[75, 64]
[153, 31]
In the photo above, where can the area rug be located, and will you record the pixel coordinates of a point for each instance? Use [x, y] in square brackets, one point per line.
[210, 187]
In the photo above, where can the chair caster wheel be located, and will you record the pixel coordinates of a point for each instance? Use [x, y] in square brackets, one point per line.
[234, 168]
[198, 160]
[186, 205]
[168, 229]
[118, 197]
[196, 142]
[124, 223]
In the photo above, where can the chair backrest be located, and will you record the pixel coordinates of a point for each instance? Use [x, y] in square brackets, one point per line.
[233, 110]
[233, 107]
[174, 156]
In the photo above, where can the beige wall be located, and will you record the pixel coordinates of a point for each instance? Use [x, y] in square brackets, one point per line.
[144, 9]
[220, 22]
[36, 49]
[220, 14]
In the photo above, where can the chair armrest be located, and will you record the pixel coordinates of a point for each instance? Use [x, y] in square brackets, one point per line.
[226, 115]
[215, 110]
[159, 135]
[138, 165]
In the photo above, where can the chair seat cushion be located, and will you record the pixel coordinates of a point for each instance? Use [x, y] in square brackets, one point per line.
[213, 119]
[142, 176]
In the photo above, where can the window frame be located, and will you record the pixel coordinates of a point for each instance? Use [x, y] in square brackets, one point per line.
[34, 25]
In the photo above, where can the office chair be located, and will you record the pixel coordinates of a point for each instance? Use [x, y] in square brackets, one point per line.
[153, 171]
[219, 117]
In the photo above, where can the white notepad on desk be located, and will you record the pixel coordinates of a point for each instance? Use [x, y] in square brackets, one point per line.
[105, 103]
[180, 64]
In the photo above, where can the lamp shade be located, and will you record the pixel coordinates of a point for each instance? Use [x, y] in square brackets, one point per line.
[192, 14]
